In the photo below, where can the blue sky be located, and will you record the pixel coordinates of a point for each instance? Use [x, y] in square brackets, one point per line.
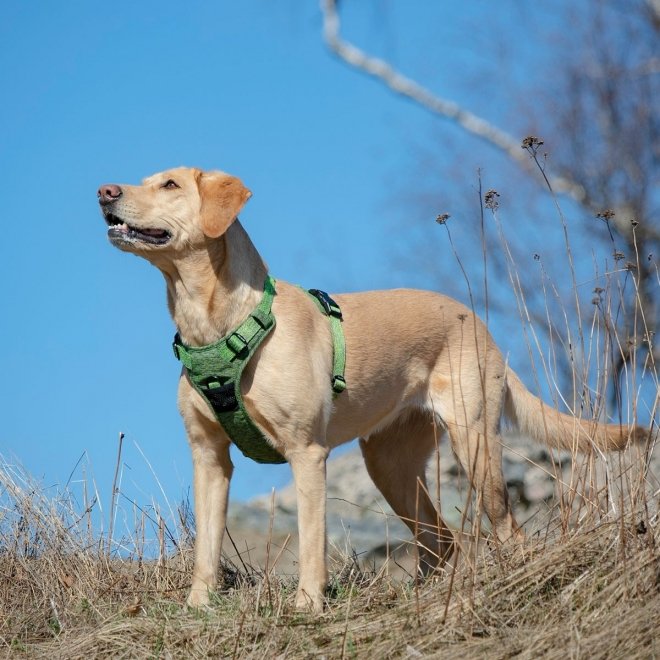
[97, 92]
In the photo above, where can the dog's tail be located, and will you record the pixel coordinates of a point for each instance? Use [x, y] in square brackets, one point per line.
[545, 424]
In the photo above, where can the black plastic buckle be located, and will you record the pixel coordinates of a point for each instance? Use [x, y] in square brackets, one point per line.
[175, 346]
[221, 397]
[330, 307]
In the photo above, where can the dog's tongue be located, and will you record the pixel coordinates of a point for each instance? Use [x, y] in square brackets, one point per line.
[152, 232]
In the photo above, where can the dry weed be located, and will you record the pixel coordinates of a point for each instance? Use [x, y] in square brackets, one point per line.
[593, 591]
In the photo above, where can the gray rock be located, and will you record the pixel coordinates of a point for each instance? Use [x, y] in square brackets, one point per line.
[360, 522]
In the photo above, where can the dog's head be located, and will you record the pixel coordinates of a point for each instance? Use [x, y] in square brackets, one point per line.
[171, 211]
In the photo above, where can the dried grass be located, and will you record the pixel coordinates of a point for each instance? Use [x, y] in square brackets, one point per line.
[593, 591]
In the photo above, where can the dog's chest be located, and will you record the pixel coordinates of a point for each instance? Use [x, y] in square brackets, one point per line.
[195, 323]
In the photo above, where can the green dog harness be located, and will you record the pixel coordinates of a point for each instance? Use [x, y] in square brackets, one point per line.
[215, 370]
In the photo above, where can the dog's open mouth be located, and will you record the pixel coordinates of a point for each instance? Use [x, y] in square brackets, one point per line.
[121, 232]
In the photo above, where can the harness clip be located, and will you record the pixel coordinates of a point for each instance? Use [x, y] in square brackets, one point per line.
[338, 384]
[330, 307]
[237, 343]
[221, 396]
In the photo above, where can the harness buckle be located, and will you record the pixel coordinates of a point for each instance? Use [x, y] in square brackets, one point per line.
[222, 397]
[330, 307]
[237, 343]
[338, 384]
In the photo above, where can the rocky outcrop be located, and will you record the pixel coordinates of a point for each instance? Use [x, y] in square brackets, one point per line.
[361, 524]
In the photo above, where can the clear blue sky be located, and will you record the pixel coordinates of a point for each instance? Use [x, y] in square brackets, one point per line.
[98, 92]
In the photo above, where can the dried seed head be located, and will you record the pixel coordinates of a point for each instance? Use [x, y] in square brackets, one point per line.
[532, 143]
[606, 215]
[618, 256]
[490, 199]
[442, 218]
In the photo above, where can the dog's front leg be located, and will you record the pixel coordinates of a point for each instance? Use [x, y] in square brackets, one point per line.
[308, 467]
[212, 470]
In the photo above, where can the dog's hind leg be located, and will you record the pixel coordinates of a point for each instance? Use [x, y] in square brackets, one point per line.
[470, 403]
[480, 454]
[396, 460]
[473, 422]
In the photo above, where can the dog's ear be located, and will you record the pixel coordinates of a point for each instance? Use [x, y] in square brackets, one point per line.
[222, 196]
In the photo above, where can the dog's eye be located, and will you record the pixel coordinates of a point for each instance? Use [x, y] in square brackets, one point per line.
[170, 183]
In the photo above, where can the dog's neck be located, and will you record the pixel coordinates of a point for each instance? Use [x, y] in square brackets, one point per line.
[213, 289]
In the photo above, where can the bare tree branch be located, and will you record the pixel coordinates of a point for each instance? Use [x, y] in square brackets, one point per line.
[607, 161]
[404, 86]
[654, 8]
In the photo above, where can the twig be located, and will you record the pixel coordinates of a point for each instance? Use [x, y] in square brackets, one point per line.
[114, 492]
[400, 84]
[238, 635]
[345, 634]
[268, 544]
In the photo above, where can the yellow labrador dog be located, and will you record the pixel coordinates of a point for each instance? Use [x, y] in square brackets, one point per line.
[413, 358]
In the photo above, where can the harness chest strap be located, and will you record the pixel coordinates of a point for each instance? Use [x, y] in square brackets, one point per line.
[215, 371]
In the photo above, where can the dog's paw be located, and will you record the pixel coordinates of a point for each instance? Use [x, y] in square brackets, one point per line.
[308, 602]
[198, 598]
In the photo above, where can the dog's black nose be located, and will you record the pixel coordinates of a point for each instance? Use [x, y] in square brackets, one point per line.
[108, 193]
